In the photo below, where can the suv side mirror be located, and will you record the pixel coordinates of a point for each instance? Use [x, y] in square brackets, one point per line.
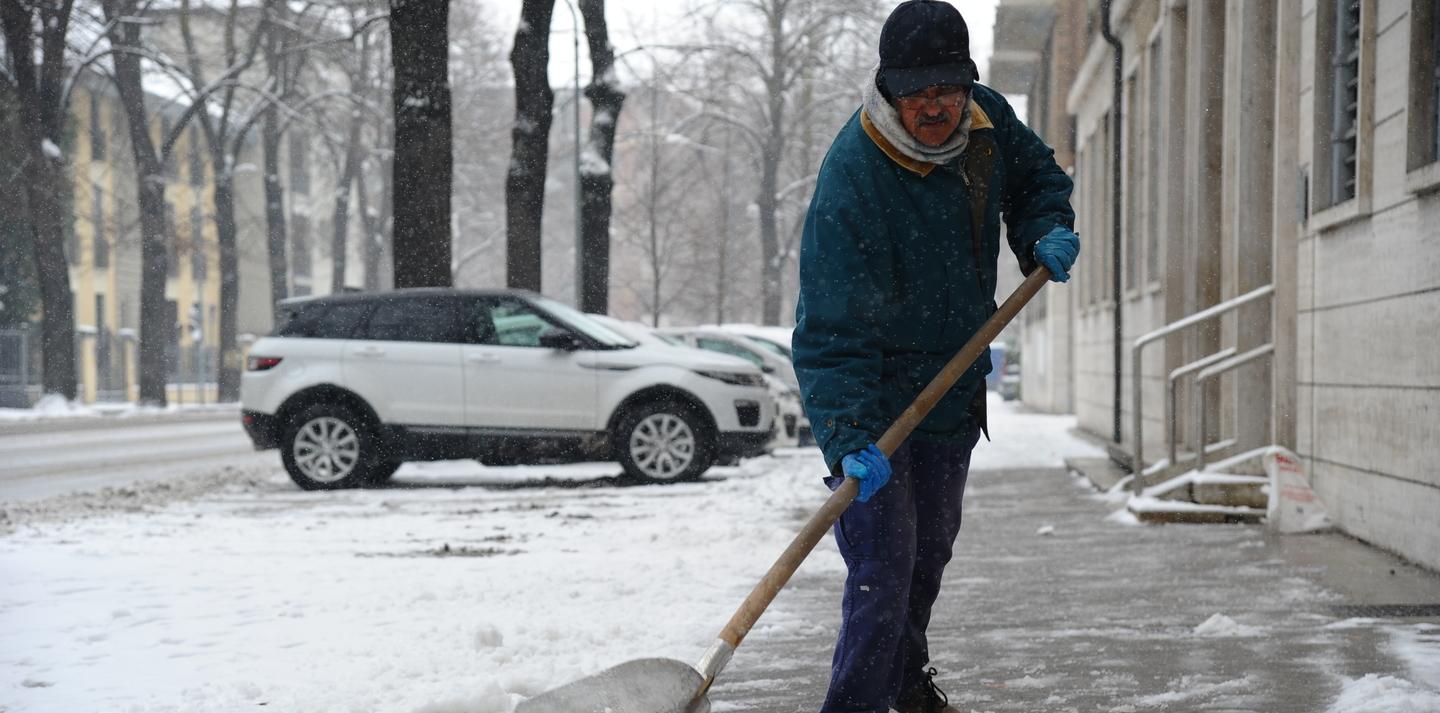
[555, 338]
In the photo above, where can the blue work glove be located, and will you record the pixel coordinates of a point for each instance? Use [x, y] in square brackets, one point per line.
[1057, 252]
[870, 467]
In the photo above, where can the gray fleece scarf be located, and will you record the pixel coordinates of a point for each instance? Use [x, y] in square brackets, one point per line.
[886, 118]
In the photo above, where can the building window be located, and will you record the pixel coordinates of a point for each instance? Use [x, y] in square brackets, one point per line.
[1103, 172]
[197, 244]
[1133, 187]
[299, 163]
[1434, 56]
[97, 130]
[1344, 100]
[1425, 84]
[172, 257]
[197, 164]
[1154, 185]
[101, 243]
[168, 157]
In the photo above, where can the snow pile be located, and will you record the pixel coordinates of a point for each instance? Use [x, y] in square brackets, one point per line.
[1028, 440]
[1191, 688]
[56, 407]
[1219, 626]
[1419, 647]
[1384, 694]
[49, 406]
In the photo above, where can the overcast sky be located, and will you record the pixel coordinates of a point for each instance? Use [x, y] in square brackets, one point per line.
[636, 22]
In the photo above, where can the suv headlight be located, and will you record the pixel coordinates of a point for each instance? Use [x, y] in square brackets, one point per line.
[734, 377]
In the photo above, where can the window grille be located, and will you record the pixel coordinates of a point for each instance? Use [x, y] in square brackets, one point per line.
[172, 261]
[97, 130]
[101, 244]
[1434, 84]
[168, 158]
[197, 244]
[197, 165]
[1345, 113]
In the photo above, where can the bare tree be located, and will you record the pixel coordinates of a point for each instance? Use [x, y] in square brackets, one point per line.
[423, 164]
[124, 21]
[282, 71]
[353, 148]
[659, 221]
[37, 79]
[225, 126]
[759, 102]
[525, 180]
[479, 77]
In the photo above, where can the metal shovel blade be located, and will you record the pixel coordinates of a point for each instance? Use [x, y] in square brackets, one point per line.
[640, 686]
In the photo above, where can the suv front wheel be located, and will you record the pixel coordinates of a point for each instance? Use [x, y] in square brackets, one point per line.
[329, 447]
[664, 442]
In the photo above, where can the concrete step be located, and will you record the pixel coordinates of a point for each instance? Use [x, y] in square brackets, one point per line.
[1211, 488]
[1159, 511]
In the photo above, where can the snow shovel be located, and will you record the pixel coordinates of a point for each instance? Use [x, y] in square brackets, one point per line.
[670, 686]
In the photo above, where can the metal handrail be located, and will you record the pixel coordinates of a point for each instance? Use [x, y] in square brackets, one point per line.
[1137, 466]
[1172, 420]
[1209, 373]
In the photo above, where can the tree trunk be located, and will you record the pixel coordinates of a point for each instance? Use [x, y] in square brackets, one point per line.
[652, 214]
[41, 125]
[767, 200]
[769, 235]
[349, 175]
[341, 217]
[423, 166]
[596, 180]
[723, 244]
[157, 331]
[275, 239]
[228, 374]
[530, 139]
[374, 240]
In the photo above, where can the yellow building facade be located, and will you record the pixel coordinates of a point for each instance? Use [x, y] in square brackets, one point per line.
[104, 253]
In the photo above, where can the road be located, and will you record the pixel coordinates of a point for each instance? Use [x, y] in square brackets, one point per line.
[88, 456]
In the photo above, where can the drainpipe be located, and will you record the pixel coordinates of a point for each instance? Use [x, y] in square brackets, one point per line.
[1117, 84]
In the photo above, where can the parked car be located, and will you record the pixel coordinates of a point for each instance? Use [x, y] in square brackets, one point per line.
[776, 339]
[351, 386]
[788, 414]
[793, 421]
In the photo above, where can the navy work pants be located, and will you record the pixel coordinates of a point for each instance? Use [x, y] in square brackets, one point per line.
[896, 547]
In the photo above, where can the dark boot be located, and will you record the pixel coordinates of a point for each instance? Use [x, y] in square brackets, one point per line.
[924, 697]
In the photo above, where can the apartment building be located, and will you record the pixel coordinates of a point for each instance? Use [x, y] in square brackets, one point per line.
[1279, 162]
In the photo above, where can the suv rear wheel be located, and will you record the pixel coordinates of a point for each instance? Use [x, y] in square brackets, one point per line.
[664, 442]
[329, 447]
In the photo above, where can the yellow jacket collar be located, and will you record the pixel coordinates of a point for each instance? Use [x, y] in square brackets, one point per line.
[978, 120]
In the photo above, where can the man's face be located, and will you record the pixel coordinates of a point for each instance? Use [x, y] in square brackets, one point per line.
[932, 115]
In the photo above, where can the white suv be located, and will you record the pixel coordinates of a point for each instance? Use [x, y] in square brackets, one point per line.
[351, 386]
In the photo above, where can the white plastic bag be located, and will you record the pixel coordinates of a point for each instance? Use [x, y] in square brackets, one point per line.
[1293, 507]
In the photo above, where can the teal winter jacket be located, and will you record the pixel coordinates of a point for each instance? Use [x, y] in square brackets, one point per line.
[895, 277]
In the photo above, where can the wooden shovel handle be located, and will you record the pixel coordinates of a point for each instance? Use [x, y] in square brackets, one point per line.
[780, 572]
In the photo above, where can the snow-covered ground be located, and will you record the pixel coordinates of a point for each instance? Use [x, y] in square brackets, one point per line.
[466, 591]
[54, 407]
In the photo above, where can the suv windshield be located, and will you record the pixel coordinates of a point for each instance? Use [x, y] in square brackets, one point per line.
[585, 325]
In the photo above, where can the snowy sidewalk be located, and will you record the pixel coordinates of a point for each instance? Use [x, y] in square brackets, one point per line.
[471, 587]
[1051, 606]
